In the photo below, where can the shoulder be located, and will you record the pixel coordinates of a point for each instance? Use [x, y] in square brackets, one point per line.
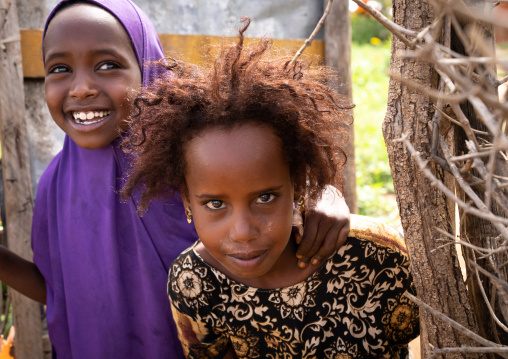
[49, 173]
[191, 282]
[186, 261]
[376, 231]
[45, 193]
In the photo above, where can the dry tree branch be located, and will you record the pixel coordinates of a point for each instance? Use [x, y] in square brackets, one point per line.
[454, 241]
[467, 208]
[502, 81]
[462, 124]
[313, 35]
[470, 350]
[395, 29]
[484, 295]
[455, 325]
[502, 288]
[467, 77]
[480, 167]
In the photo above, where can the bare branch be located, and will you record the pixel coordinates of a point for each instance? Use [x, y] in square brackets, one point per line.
[463, 330]
[313, 35]
[395, 29]
[467, 208]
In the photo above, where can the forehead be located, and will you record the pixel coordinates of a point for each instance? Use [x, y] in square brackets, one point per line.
[250, 146]
[85, 23]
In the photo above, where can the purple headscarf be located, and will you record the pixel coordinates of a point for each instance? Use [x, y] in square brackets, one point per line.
[105, 267]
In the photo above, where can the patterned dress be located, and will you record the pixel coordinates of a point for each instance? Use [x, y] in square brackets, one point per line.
[353, 306]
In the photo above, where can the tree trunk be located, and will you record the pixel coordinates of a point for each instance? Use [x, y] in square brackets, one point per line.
[16, 176]
[423, 208]
[338, 56]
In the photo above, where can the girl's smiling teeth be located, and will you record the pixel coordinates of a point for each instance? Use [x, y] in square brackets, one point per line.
[89, 117]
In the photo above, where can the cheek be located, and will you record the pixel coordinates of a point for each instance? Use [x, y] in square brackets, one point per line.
[206, 226]
[52, 98]
[279, 226]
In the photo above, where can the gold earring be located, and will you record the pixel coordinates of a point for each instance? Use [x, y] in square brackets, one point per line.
[300, 204]
[188, 213]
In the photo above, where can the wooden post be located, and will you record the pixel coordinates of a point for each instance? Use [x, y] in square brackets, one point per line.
[16, 176]
[338, 56]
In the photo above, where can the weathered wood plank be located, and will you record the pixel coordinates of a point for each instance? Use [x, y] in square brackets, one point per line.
[16, 175]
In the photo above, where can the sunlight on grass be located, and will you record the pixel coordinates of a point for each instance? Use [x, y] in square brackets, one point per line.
[370, 65]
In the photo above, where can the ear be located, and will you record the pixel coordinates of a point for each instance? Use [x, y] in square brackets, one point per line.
[185, 195]
[299, 187]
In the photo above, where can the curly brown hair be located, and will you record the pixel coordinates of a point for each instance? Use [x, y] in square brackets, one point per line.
[245, 84]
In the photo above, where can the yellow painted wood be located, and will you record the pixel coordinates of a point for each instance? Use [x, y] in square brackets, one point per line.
[190, 48]
[31, 53]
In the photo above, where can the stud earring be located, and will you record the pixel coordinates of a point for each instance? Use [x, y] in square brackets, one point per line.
[188, 213]
[300, 204]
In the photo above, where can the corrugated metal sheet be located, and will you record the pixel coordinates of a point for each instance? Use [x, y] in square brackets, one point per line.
[276, 18]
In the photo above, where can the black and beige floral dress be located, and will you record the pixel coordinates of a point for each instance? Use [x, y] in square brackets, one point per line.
[352, 307]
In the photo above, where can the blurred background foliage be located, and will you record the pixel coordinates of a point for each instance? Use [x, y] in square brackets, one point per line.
[370, 60]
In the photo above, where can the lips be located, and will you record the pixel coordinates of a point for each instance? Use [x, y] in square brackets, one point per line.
[247, 262]
[246, 256]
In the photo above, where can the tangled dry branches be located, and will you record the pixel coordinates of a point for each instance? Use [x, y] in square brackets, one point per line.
[480, 170]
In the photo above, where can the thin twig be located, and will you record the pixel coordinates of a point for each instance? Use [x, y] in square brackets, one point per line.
[469, 156]
[470, 350]
[502, 81]
[454, 324]
[464, 243]
[395, 29]
[313, 35]
[434, 181]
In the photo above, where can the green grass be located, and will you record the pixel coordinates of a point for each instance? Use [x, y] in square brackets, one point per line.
[370, 94]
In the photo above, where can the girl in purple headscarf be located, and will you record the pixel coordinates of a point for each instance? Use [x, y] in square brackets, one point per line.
[100, 268]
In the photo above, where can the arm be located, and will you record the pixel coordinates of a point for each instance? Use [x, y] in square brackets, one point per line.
[22, 275]
[325, 230]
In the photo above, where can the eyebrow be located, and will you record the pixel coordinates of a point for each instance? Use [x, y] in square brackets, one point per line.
[105, 51]
[266, 190]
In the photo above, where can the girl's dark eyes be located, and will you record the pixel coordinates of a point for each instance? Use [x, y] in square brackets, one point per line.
[262, 199]
[108, 66]
[215, 204]
[266, 198]
[58, 69]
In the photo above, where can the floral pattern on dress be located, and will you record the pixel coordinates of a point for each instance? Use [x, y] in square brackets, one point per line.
[352, 307]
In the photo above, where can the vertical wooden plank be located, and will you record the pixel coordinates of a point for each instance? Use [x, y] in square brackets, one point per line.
[16, 175]
[338, 56]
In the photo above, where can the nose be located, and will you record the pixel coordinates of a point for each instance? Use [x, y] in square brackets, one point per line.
[243, 226]
[83, 86]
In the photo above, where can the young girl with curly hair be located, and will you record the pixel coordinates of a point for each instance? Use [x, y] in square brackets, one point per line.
[244, 141]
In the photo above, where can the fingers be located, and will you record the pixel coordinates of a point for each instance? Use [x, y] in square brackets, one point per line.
[322, 236]
[327, 247]
[297, 232]
[313, 235]
[343, 234]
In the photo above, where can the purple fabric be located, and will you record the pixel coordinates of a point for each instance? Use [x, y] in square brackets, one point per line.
[105, 267]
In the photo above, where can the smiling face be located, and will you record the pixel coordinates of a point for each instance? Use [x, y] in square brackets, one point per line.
[241, 196]
[90, 68]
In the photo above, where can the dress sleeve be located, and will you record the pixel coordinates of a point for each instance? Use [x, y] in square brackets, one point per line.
[195, 303]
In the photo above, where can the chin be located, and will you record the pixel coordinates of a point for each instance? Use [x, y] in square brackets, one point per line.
[92, 145]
